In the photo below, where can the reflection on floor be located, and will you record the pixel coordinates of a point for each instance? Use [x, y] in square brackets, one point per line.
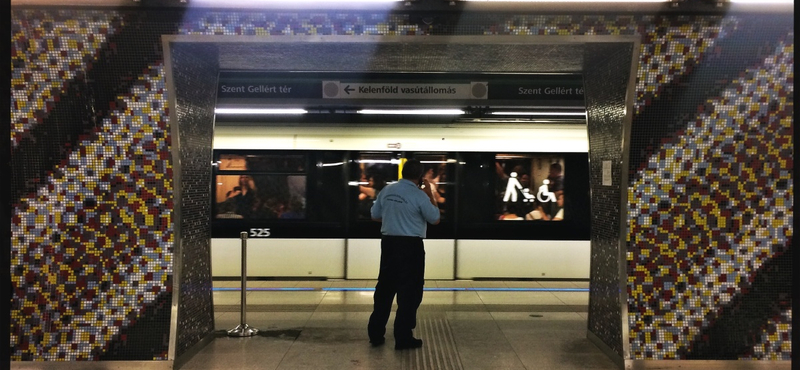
[464, 325]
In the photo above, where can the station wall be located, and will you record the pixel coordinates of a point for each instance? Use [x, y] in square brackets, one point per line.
[710, 187]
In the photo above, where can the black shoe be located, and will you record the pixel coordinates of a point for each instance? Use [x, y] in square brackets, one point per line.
[408, 343]
[377, 341]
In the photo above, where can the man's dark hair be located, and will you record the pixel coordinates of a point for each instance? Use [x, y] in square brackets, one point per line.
[412, 170]
[556, 166]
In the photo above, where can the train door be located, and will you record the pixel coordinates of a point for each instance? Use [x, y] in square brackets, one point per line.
[369, 173]
[289, 203]
[440, 244]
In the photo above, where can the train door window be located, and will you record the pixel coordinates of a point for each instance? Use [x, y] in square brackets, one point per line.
[529, 187]
[373, 171]
[327, 190]
[261, 186]
[439, 171]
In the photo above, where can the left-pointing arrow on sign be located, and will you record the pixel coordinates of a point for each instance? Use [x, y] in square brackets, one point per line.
[347, 89]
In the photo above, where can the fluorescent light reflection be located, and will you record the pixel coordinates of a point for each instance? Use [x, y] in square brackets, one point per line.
[389, 161]
[521, 113]
[323, 1]
[330, 164]
[292, 2]
[431, 289]
[511, 156]
[259, 111]
[445, 161]
[359, 183]
[569, 1]
[762, 1]
[444, 112]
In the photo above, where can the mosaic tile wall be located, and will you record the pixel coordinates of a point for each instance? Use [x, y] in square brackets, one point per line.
[91, 180]
[92, 243]
[51, 55]
[606, 71]
[48, 50]
[711, 215]
[91, 251]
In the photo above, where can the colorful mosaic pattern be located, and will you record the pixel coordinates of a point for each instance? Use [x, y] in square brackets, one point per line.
[710, 209]
[670, 50]
[95, 246]
[276, 24]
[670, 45]
[49, 49]
[775, 342]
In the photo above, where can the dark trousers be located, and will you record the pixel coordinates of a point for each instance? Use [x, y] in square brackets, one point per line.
[402, 273]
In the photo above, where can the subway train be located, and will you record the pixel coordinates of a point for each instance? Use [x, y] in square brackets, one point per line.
[514, 198]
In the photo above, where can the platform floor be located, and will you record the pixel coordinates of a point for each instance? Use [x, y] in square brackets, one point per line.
[470, 325]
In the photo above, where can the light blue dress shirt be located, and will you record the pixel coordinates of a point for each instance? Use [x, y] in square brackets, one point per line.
[404, 209]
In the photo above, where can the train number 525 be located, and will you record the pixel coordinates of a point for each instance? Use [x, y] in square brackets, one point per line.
[257, 232]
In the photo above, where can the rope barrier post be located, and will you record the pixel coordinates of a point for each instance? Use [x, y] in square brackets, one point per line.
[243, 330]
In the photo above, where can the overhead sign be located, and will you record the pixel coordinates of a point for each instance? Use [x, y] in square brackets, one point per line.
[536, 90]
[270, 89]
[392, 90]
[399, 86]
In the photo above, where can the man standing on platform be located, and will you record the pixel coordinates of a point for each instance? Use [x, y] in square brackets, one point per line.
[405, 209]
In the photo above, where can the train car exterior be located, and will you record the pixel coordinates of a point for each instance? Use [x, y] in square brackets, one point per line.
[101, 267]
[325, 194]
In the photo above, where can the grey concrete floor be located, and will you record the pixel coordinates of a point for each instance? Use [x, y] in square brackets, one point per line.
[483, 327]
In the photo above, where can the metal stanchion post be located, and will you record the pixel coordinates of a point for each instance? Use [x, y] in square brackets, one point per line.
[243, 330]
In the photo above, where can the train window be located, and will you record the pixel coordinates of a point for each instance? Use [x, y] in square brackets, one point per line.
[259, 186]
[330, 193]
[232, 162]
[437, 168]
[285, 163]
[261, 196]
[529, 187]
[375, 171]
